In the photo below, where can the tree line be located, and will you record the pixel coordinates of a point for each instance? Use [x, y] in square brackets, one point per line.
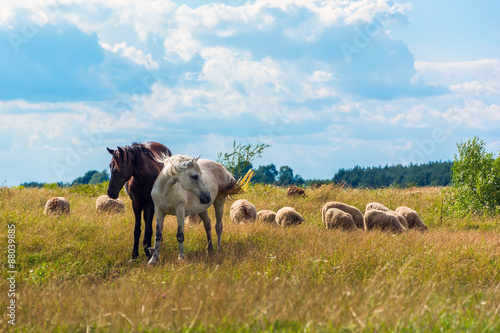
[429, 174]
[239, 162]
[91, 177]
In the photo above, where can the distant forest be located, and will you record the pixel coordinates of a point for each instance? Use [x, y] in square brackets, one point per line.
[91, 177]
[430, 174]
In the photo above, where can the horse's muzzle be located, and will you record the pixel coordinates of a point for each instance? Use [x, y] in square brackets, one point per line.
[113, 194]
[205, 198]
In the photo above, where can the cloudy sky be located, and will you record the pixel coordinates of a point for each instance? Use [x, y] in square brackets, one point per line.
[328, 84]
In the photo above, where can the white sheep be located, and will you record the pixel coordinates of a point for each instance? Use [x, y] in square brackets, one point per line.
[338, 219]
[57, 206]
[266, 216]
[105, 204]
[287, 216]
[377, 219]
[414, 221]
[400, 217]
[376, 206]
[243, 211]
[356, 214]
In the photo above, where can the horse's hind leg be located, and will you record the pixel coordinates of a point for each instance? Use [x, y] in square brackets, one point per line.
[219, 210]
[149, 211]
[155, 255]
[208, 229]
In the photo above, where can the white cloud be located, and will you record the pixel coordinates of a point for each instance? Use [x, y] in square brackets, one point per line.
[131, 53]
[457, 74]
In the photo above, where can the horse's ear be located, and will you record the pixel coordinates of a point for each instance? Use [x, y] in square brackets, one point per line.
[111, 151]
[196, 158]
[122, 152]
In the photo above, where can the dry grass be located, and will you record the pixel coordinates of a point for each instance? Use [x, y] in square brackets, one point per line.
[74, 273]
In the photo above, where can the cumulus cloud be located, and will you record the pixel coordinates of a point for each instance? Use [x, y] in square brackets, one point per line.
[315, 78]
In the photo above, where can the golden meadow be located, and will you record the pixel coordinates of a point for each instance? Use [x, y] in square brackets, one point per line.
[74, 273]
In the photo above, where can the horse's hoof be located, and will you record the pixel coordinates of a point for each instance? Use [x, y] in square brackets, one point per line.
[152, 262]
[180, 257]
[132, 260]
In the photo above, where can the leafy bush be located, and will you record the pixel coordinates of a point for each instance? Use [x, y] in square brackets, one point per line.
[90, 190]
[475, 179]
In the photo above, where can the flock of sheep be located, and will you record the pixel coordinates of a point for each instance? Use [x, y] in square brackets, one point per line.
[334, 215]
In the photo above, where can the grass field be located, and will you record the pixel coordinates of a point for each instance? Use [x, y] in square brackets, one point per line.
[74, 273]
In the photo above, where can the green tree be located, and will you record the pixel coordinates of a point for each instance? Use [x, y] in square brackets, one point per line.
[239, 161]
[265, 174]
[476, 178]
[99, 177]
[85, 179]
[92, 177]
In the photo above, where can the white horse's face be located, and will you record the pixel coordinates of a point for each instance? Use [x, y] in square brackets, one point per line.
[191, 180]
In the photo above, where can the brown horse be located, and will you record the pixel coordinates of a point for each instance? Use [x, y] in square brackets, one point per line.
[136, 167]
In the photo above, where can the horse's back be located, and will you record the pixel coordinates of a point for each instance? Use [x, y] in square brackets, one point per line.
[158, 148]
[224, 180]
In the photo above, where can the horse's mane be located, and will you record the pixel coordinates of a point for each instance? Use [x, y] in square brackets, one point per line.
[138, 149]
[172, 164]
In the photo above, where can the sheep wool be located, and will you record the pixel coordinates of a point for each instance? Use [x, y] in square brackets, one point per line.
[243, 211]
[193, 219]
[377, 219]
[414, 221]
[376, 206]
[356, 214]
[400, 217]
[287, 216]
[57, 206]
[105, 204]
[266, 216]
[338, 219]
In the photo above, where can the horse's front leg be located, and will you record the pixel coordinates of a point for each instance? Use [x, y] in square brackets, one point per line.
[137, 231]
[149, 210]
[180, 214]
[155, 252]
[208, 229]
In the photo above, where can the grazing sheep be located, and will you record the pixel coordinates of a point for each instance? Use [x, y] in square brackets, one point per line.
[376, 206]
[294, 191]
[57, 206]
[266, 216]
[287, 216]
[338, 219]
[243, 211]
[105, 204]
[400, 217]
[356, 214]
[382, 220]
[193, 219]
[414, 221]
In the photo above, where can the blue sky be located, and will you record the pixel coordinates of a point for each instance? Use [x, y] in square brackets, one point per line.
[328, 85]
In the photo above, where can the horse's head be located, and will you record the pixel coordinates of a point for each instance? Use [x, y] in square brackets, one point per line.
[190, 178]
[121, 171]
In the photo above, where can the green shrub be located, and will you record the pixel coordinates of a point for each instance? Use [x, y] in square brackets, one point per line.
[475, 179]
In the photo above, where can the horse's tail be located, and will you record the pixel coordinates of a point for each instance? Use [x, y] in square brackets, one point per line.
[241, 185]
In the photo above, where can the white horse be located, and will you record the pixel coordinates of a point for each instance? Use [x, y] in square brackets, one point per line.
[188, 186]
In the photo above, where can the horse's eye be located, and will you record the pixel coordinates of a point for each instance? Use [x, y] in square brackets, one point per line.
[195, 177]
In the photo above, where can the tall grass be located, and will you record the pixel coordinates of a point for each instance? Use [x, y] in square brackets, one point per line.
[75, 274]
